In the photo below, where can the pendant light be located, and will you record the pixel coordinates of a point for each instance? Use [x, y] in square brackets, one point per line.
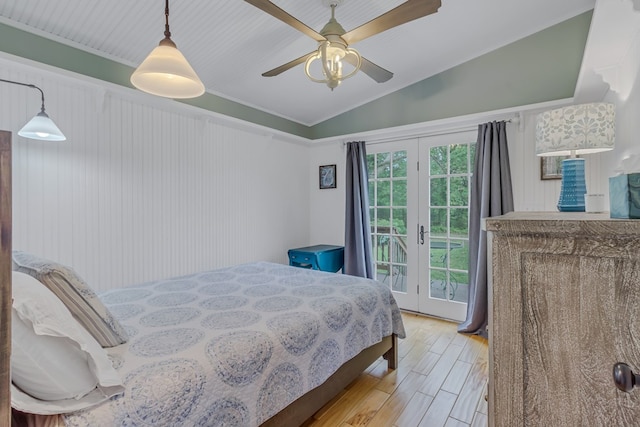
[40, 126]
[166, 72]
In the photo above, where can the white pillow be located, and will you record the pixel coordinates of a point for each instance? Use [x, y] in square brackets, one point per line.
[33, 366]
[54, 359]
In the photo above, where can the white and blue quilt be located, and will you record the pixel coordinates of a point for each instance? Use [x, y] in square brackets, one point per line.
[233, 347]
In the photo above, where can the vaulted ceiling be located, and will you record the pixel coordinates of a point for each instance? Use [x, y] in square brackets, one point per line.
[231, 43]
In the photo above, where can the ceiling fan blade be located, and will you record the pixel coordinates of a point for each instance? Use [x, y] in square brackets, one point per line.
[374, 71]
[276, 12]
[406, 12]
[285, 67]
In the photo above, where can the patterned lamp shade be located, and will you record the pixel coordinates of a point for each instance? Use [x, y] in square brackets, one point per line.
[576, 129]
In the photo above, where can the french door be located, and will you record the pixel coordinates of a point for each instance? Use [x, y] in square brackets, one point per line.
[419, 204]
[393, 182]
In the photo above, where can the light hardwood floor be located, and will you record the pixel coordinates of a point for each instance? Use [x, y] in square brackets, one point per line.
[441, 381]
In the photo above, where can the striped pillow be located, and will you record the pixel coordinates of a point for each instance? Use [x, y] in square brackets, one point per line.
[80, 299]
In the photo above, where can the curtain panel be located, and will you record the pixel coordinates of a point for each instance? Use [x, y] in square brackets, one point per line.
[491, 195]
[358, 258]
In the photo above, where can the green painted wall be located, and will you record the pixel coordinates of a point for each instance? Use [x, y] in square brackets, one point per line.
[541, 67]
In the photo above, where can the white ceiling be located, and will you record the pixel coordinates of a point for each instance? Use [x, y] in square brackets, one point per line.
[230, 43]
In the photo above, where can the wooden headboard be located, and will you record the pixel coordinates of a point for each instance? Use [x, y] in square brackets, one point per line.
[5, 278]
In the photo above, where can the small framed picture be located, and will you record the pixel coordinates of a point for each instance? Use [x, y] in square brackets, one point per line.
[327, 176]
[551, 167]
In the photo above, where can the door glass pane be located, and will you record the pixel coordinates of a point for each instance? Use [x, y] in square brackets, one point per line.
[449, 221]
[388, 209]
[383, 196]
[459, 193]
[438, 160]
[439, 253]
[399, 188]
[438, 191]
[384, 217]
[400, 164]
[438, 223]
[400, 221]
[383, 247]
[371, 166]
[458, 274]
[459, 226]
[384, 165]
[399, 283]
[438, 285]
[459, 158]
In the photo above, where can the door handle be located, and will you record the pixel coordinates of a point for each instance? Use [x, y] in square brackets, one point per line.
[422, 234]
[624, 378]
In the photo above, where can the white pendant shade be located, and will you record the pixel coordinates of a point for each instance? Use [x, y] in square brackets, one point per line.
[43, 128]
[166, 72]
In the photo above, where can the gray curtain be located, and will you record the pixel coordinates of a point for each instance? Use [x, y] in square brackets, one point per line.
[358, 259]
[491, 195]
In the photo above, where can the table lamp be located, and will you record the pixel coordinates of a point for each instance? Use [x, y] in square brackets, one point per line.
[573, 130]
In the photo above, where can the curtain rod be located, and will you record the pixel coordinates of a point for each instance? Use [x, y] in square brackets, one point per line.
[513, 120]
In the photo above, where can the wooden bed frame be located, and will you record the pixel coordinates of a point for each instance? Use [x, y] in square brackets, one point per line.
[292, 416]
[5, 278]
[307, 405]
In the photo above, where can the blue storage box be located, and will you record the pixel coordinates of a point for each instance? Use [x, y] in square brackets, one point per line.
[318, 257]
[624, 196]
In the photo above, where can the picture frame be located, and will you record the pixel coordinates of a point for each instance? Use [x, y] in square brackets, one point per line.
[551, 167]
[327, 176]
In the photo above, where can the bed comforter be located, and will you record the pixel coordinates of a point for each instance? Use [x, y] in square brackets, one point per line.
[235, 346]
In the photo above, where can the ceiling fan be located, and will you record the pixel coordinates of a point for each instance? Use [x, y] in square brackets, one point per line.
[333, 40]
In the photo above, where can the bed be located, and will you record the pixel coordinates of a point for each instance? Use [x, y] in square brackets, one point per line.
[254, 344]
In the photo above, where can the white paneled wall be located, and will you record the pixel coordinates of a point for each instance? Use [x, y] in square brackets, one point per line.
[328, 205]
[141, 192]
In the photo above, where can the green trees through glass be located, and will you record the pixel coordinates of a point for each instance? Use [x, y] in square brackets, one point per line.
[444, 191]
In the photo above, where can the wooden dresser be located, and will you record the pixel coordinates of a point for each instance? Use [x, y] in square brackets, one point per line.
[564, 307]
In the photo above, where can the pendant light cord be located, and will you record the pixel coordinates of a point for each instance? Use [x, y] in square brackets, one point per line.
[33, 86]
[167, 33]
[166, 41]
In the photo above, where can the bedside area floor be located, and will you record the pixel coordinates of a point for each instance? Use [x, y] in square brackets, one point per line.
[441, 381]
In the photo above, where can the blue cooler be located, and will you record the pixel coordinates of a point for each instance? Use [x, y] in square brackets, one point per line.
[318, 257]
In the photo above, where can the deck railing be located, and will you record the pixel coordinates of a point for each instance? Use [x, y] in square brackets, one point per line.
[391, 255]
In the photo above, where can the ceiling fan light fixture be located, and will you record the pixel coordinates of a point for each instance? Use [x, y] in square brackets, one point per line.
[332, 56]
[166, 72]
[333, 32]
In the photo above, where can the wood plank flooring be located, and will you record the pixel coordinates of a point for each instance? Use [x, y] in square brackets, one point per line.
[441, 381]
